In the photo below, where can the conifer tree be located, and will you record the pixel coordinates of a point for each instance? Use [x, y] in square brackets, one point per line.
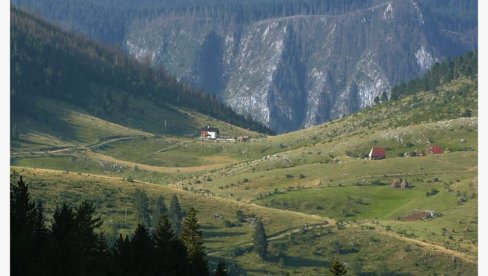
[102, 257]
[170, 251]
[158, 211]
[337, 268]
[260, 240]
[175, 215]
[28, 233]
[193, 240]
[141, 204]
[142, 252]
[120, 263]
[65, 253]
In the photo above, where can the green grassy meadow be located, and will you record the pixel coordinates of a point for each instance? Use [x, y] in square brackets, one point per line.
[308, 177]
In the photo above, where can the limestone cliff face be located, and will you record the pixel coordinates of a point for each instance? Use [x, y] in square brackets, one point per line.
[289, 64]
[298, 71]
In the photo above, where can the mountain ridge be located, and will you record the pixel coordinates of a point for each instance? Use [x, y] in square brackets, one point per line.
[318, 60]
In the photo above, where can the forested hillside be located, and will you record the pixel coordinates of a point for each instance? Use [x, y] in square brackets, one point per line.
[48, 62]
[287, 64]
[440, 73]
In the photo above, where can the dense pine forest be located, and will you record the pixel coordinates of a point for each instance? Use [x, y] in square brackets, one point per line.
[73, 244]
[108, 22]
[440, 73]
[46, 61]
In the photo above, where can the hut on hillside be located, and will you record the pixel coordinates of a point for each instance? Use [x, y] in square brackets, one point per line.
[377, 153]
[436, 150]
[208, 132]
[400, 183]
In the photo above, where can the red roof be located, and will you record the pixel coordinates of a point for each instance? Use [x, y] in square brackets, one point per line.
[377, 152]
[436, 150]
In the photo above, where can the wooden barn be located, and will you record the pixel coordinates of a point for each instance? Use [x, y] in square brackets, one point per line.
[377, 153]
[208, 132]
[436, 150]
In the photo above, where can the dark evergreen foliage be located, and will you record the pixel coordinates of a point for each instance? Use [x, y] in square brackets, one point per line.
[120, 263]
[141, 204]
[440, 73]
[158, 211]
[47, 61]
[28, 234]
[175, 215]
[260, 240]
[192, 238]
[170, 251]
[72, 245]
[142, 253]
[337, 268]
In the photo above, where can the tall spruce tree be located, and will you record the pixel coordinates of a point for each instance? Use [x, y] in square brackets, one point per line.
[142, 252]
[141, 204]
[260, 240]
[158, 211]
[120, 263]
[28, 233]
[65, 253]
[88, 241]
[170, 251]
[175, 215]
[192, 238]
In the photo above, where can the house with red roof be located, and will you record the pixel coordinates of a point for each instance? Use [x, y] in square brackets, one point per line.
[436, 150]
[377, 153]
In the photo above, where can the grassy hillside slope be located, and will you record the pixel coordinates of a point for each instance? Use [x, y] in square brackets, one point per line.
[318, 196]
[51, 67]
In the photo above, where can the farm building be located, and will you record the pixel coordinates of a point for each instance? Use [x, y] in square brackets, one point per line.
[376, 153]
[208, 132]
[436, 150]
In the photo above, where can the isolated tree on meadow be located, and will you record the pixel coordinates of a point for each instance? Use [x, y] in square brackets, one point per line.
[192, 238]
[260, 240]
[337, 268]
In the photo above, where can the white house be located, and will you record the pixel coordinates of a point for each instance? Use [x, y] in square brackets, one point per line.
[208, 132]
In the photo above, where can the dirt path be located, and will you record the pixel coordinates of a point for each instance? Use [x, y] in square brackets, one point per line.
[465, 257]
[152, 168]
[102, 143]
[278, 235]
[77, 147]
[426, 245]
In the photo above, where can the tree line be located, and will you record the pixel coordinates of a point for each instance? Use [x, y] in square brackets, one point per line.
[47, 61]
[72, 245]
[440, 73]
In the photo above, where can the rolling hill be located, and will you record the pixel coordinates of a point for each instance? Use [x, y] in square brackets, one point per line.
[55, 72]
[317, 195]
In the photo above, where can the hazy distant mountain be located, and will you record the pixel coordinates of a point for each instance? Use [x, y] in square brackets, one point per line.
[287, 64]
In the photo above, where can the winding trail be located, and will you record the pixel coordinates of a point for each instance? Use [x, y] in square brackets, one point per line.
[327, 222]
